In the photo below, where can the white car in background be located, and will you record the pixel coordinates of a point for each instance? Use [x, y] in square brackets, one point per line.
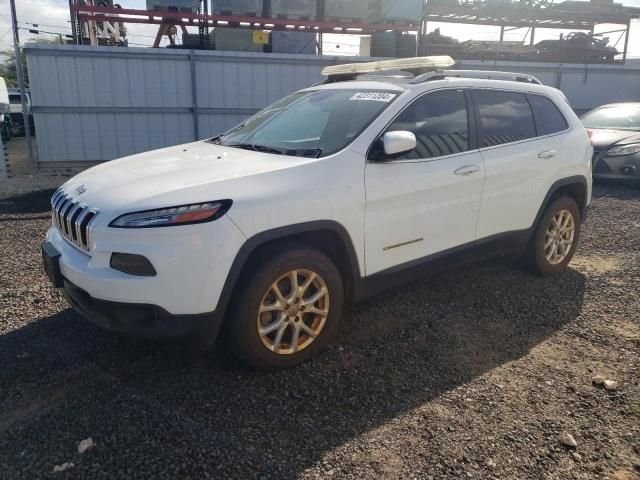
[329, 195]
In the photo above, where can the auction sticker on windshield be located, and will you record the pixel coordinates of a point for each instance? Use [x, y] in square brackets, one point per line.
[374, 96]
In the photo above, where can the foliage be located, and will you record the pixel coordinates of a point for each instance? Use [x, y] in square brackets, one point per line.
[8, 69]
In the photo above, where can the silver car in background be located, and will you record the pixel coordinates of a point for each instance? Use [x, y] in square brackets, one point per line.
[615, 136]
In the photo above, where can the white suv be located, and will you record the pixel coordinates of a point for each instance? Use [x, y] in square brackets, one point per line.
[329, 195]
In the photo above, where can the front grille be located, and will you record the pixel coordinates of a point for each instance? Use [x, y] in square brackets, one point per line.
[72, 219]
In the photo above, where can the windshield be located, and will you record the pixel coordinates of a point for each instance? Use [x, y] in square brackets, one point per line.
[309, 124]
[620, 117]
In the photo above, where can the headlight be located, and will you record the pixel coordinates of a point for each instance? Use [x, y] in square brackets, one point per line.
[624, 150]
[168, 217]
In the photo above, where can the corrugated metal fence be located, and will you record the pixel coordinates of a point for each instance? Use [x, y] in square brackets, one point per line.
[99, 103]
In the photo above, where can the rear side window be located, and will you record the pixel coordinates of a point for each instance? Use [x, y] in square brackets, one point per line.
[439, 122]
[505, 117]
[548, 118]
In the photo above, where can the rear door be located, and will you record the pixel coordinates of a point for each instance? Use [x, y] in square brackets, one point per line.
[428, 200]
[519, 154]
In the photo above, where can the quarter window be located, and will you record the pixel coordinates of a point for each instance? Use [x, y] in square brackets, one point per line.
[439, 122]
[548, 118]
[505, 117]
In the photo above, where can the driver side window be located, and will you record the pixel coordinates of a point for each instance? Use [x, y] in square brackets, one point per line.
[439, 122]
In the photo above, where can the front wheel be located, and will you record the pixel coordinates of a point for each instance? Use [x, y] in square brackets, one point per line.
[288, 310]
[556, 238]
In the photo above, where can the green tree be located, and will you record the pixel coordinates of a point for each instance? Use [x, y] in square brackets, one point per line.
[8, 68]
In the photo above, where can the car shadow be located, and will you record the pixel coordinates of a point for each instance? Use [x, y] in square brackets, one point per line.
[37, 201]
[161, 408]
[620, 189]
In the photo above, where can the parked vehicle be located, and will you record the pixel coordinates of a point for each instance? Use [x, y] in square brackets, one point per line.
[615, 135]
[577, 46]
[16, 119]
[5, 108]
[329, 195]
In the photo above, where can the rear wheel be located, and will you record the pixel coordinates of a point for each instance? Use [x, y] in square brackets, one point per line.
[556, 238]
[288, 310]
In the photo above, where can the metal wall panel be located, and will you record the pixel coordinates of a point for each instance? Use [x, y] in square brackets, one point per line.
[97, 103]
[101, 103]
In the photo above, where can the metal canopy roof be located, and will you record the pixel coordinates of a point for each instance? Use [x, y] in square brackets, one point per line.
[566, 15]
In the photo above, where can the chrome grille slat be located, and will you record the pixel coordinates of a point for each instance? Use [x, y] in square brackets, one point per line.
[79, 221]
[60, 210]
[65, 216]
[73, 219]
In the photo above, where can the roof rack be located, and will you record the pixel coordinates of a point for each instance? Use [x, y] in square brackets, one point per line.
[350, 71]
[486, 74]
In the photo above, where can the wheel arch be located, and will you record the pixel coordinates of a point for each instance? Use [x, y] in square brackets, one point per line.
[575, 187]
[327, 236]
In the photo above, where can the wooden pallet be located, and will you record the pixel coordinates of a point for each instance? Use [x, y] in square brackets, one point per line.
[344, 20]
[281, 16]
[228, 13]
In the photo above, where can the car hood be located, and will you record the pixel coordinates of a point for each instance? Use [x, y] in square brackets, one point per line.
[602, 138]
[191, 173]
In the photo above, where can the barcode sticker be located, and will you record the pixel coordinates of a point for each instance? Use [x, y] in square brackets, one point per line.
[373, 97]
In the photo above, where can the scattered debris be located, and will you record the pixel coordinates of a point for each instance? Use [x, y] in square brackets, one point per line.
[86, 444]
[63, 467]
[567, 440]
[576, 456]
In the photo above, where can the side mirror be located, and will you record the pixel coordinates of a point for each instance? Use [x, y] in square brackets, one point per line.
[398, 143]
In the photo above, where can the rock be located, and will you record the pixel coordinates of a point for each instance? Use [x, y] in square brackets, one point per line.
[63, 467]
[567, 440]
[576, 456]
[86, 444]
[610, 385]
[598, 380]
[331, 472]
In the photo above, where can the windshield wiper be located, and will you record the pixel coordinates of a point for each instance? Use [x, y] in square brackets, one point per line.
[258, 148]
[305, 152]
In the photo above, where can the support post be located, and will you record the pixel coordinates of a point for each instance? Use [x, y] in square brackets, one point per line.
[501, 34]
[194, 96]
[533, 34]
[626, 42]
[74, 22]
[21, 83]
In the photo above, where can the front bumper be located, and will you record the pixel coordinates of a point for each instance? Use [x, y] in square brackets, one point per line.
[192, 264]
[623, 167]
[142, 321]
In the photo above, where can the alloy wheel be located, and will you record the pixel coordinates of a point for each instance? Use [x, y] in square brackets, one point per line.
[293, 311]
[559, 237]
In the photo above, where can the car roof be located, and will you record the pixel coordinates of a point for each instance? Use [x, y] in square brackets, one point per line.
[619, 105]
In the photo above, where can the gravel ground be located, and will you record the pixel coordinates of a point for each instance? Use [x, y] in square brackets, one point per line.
[474, 374]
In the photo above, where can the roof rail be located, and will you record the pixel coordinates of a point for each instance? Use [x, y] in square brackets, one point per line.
[487, 74]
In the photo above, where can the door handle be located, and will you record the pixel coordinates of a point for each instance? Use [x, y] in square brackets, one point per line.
[547, 154]
[467, 170]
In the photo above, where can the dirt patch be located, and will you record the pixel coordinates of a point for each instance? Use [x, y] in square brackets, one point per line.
[596, 265]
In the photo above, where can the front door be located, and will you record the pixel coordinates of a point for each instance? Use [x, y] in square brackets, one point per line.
[428, 200]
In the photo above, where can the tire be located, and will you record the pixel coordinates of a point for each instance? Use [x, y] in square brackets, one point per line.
[285, 315]
[556, 256]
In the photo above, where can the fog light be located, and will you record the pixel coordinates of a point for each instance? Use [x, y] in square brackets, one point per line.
[132, 264]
